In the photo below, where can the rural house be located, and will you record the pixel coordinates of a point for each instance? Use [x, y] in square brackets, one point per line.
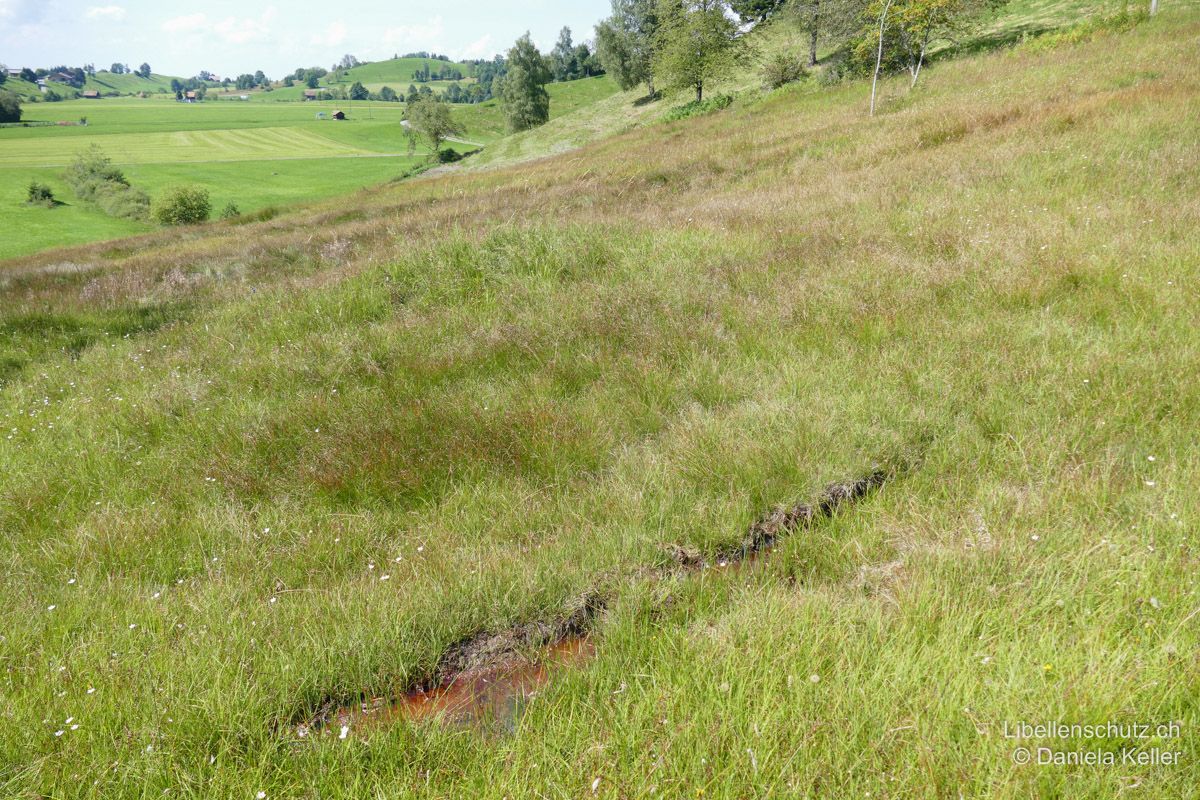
[14, 72]
[310, 94]
[91, 94]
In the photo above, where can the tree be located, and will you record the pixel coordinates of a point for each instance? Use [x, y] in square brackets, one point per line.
[28, 75]
[144, 70]
[566, 65]
[312, 81]
[117, 69]
[388, 95]
[260, 79]
[522, 91]
[359, 92]
[3, 74]
[697, 43]
[176, 85]
[626, 41]
[832, 21]
[907, 28]
[431, 121]
[10, 107]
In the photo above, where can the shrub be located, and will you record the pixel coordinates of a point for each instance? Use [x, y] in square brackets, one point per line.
[231, 211]
[782, 69]
[183, 205]
[40, 195]
[125, 202]
[448, 156]
[836, 70]
[94, 179]
[696, 109]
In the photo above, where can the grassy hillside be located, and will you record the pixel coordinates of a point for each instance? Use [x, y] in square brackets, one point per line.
[104, 82]
[394, 72]
[248, 474]
[485, 122]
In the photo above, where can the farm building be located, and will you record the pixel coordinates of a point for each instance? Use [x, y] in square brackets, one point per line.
[310, 94]
[91, 94]
[191, 97]
[14, 72]
[339, 114]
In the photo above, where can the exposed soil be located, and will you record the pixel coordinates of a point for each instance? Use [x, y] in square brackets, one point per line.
[780, 522]
[488, 677]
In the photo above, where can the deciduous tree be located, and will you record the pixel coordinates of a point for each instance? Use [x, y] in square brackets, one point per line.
[522, 90]
[626, 41]
[431, 121]
[697, 44]
[10, 107]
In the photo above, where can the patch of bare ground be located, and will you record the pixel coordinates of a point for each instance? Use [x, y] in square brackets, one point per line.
[487, 677]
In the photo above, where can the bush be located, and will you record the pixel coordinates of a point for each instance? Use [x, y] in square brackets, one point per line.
[10, 107]
[448, 156]
[696, 109]
[40, 195]
[183, 205]
[90, 169]
[231, 211]
[94, 179]
[783, 69]
[836, 70]
[125, 202]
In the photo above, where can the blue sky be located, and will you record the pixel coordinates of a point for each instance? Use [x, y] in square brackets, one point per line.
[228, 38]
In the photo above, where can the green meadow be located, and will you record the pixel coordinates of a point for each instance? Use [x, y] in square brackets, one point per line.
[254, 154]
[255, 473]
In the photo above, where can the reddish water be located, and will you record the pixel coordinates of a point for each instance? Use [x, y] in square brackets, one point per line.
[496, 695]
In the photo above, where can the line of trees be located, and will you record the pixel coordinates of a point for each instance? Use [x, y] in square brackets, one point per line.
[689, 44]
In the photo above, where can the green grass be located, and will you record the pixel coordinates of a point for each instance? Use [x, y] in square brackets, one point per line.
[254, 156]
[396, 73]
[506, 389]
[104, 81]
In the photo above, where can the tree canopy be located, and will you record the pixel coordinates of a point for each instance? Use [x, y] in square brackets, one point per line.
[626, 41]
[522, 90]
[10, 107]
[431, 121]
[697, 43]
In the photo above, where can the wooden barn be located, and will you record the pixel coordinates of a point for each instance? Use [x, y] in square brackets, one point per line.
[339, 115]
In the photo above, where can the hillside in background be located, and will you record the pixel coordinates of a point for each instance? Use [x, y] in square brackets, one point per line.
[396, 73]
[828, 443]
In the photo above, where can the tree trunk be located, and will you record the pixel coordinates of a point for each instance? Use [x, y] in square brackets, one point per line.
[700, 92]
[813, 33]
[920, 59]
[879, 56]
[1153, 7]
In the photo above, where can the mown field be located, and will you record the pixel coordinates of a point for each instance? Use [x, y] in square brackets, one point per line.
[254, 154]
[247, 473]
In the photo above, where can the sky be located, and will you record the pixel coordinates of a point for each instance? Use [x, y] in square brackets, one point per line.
[228, 38]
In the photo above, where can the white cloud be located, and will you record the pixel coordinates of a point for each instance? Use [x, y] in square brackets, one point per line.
[114, 13]
[241, 31]
[334, 35]
[22, 10]
[423, 36]
[190, 22]
[480, 48]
